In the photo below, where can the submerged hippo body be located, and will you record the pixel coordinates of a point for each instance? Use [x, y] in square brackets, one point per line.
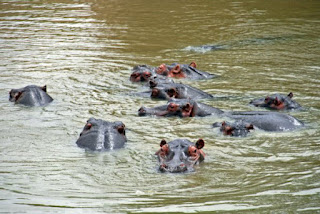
[102, 135]
[168, 91]
[180, 155]
[176, 70]
[237, 129]
[30, 95]
[277, 102]
[268, 121]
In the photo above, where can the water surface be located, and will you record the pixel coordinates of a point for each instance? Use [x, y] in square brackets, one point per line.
[84, 52]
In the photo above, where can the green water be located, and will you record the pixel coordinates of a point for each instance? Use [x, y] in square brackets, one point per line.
[84, 52]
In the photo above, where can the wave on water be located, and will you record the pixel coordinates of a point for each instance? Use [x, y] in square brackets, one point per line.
[205, 48]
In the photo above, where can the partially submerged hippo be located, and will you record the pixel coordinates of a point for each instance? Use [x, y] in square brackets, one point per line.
[168, 91]
[236, 129]
[142, 73]
[277, 102]
[268, 121]
[181, 108]
[101, 135]
[176, 70]
[180, 155]
[30, 95]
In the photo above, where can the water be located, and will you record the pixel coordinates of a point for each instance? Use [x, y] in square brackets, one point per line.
[84, 50]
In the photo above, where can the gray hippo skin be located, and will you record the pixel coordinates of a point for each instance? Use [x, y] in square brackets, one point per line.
[30, 95]
[277, 102]
[179, 155]
[142, 73]
[167, 91]
[99, 135]
[176, 70]
[268, 121]
[236, 129]
[181, 108]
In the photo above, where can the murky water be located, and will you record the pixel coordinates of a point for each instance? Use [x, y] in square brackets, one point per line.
[84, 50]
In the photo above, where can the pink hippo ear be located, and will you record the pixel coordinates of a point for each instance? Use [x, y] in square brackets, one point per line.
[290, 95]
[17, 95]
[193, 64]
[163, 142]
[200, 144]
[176, 69]
[44, 88]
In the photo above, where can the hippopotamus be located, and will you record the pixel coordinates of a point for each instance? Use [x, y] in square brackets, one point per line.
[180, 155]
[142, 73]
[183, 71]
[181, 108]
[167, 91]
[30, 95]
[277, 102]
[237, 129]
[100, 135]
[268, 121]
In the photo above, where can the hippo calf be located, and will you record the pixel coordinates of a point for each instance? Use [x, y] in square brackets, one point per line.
[30, 95]
[99, 135]
[277, 102]
[236, 129]
[180, 155]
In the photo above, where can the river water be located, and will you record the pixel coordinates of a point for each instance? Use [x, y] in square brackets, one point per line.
[84, 52]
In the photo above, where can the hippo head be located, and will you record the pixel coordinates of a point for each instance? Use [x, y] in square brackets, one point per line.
[102, 135]
[141, 73]
[165, 92]
[157, 80]
[236, 129]
[181, 108]
[276, 102]
[180, 155]
[30, 95]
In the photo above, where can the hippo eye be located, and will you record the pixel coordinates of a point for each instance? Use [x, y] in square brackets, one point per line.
[147, 74]
[195, 151]
[121, 130]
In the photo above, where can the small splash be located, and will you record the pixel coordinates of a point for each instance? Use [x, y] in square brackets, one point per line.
[205, 48]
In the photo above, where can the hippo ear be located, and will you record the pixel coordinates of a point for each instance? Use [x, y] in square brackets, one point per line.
[249, 126]
[223, 123]
[200, 144]
[44, 88]
[290, 95]
[162, 143]
[17, 95]
[193, 64]
[176, 69]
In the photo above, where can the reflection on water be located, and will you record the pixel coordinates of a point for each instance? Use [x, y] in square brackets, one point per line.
[84, 50]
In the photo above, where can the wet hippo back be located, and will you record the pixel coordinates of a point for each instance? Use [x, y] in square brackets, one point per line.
[31, 95]
[268, 121]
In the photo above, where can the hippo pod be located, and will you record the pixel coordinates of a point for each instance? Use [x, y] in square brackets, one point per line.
[166, 91]
[181, 108]
[177, 70]
[102, 135]
[277, 102]
[268, 121]
[236, 129]
[30, 95]
[180, 155]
